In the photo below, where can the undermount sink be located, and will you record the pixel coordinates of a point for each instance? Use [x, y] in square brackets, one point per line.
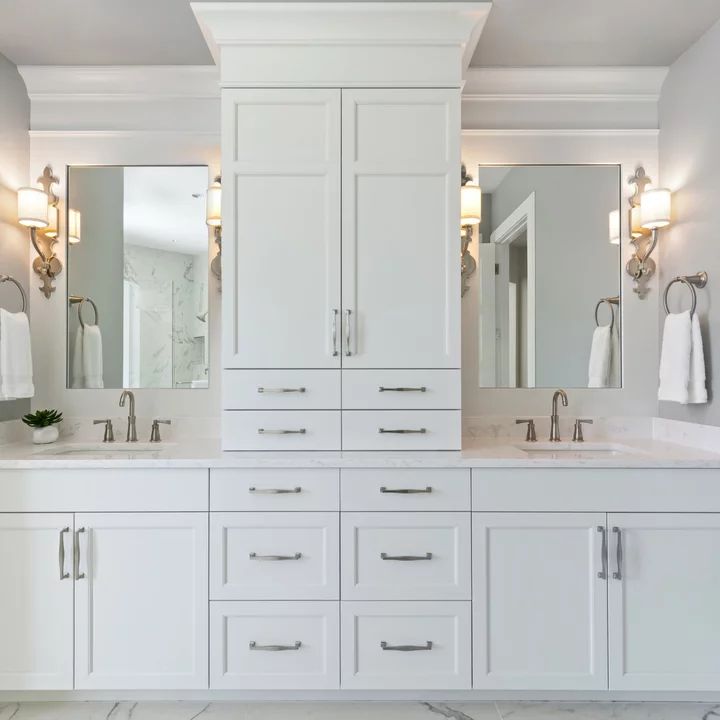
[104, 449]
[575, 450]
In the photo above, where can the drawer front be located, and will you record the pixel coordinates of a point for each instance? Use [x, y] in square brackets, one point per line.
[281, 430]
[405, 489]
[274, 489]
[274, 556]
[398, 646]
[401, 430]
[274, 645]
[281, 390]
[398, 556]
[401, 389]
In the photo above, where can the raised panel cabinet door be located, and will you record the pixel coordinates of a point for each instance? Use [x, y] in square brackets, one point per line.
[141, 601]
[36, 602]
[539, 601]
[281, 228]
[400, 228]
[663, 601]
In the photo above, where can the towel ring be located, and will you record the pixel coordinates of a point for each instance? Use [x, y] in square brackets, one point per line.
[610, 302]
[10, 278]
[691, 282]
[79, 300]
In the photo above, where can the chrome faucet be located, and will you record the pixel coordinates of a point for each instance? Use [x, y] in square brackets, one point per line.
[555, 418]
[131, 428]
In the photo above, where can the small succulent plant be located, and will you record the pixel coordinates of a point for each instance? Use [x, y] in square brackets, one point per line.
[42, 418]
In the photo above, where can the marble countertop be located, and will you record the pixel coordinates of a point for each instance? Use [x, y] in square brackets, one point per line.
[497, 453]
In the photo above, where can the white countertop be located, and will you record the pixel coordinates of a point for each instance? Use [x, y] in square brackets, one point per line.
[498, 453]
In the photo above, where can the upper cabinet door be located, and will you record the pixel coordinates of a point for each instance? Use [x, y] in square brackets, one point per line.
[401, 228]
[281, 228]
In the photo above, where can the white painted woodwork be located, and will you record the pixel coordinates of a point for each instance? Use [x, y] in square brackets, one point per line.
[438, 429]
[400, 232]
[36, 605]
[307, 430]
[663, 612]
[401, 389]
[235, 574]
[281, 226]
[384, 489]
[539, 608]
[441, 539]
[104, 490]
[234, 664]
[281, 389]
[272, 489]
[141, 611]
[365, 625]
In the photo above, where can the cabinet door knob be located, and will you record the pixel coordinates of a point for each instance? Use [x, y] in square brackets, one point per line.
[602, 574]
[420, 389]
[274, 491]
[419, 431]
[263, 431]
[61, 554]
[617, 575]
[255, 556]
[348, 332]
[275, 648]
[426, 556]
[77, 554]
[334, 332]
[406, 491]
[406, 648]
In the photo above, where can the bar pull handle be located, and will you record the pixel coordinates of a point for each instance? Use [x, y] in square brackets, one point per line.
[61, 554]
[602, 573]
[617, 575]
[426, 556]
[275, 491]
[348, 333]
[406, 491]
[401, 431]
[255, 556]
[421, 389]
[275, 648]
[407, 648]
[267, 391]
[77, 553]
[334, 332]
[263, 431]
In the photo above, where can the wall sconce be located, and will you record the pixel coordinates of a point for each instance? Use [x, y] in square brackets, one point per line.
[38, 210]
[614, 227]
[74, 223]
[470, 214]
[649, 211]
[213, 217]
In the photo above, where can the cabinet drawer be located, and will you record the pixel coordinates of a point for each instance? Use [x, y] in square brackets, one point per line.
[404, 646]
[273, 489]
[405, 489]
[401, 430]
[274, 556]
[281, 389]
[401, 389]
[414, 556]
[281, 430]
[274, 645]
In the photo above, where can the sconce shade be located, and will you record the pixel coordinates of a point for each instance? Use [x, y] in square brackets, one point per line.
[74, 220]
[636, 228]
[470, 205]
[213, 215]
[655, 208]
[32, 207]
[614, 227]
[51, 230]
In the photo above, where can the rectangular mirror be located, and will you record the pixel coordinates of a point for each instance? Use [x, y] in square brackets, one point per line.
[548, 274]
[137, 265]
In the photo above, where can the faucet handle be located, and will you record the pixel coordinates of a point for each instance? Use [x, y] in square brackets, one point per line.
[109, 435]
[530, 436]
[578, 431]
[155, 430]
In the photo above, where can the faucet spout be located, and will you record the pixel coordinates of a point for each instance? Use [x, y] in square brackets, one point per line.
[555, 418]
[132, 427]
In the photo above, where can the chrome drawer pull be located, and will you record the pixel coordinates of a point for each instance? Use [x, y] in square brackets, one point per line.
[255, 556]
[419, 431]
[602, 574]
[348, 333]
[61, 553]
[406, 491]
[275, 648]
[334, 332]
[426, 556]
[263, 431]
[402, 389]
[407, 648]
[275, 491]
[617, 575]
[76, 554]
[262, 390]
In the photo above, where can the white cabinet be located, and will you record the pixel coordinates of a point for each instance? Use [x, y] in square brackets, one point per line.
[36, 602]
[141, 601]
[664, 631]
[539, 605]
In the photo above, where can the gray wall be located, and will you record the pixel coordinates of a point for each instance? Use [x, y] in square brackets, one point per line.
[14, 166]
[690, 167]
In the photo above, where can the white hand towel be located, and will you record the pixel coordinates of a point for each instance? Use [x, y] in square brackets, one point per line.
[16, 378]
[601, 352]
[697, 392]
[675, 358]
[78, 375]
[92, 357]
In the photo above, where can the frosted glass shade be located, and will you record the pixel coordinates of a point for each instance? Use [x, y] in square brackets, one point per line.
[74, 229]
[213, 212]
[614, 227]
[51, 230]
[470, 205]
[32, 207]
[655, 208]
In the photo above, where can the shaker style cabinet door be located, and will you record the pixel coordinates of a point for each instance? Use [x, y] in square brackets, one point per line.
[36, 602]
[281, 228]
[663, 601]
[401, 228]
[141, 601]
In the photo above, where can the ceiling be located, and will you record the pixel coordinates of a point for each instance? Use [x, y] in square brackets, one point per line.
[518, 32]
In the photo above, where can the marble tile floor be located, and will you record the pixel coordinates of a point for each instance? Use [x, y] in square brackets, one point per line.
[149, 710]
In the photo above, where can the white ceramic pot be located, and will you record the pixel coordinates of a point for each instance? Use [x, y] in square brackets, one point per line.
[45, 435]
